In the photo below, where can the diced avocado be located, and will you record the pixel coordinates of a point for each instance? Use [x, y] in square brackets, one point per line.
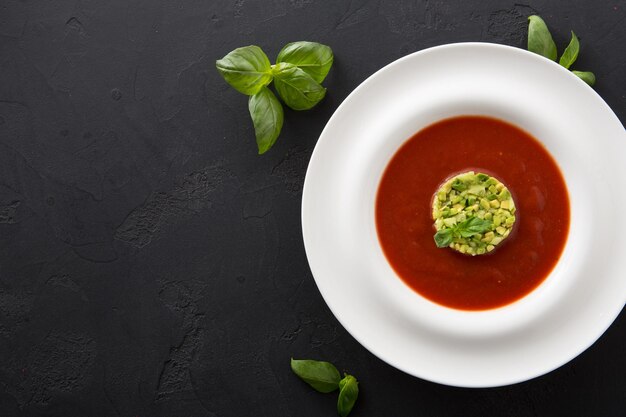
[476, 189]
[461, 217]
[467, 177]
[451, 221]
[504, 195]
[488, 237]
[459, 185]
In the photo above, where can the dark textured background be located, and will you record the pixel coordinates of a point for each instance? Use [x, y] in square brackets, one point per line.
[151, 263]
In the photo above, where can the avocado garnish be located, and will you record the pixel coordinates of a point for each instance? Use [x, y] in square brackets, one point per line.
[473, 213]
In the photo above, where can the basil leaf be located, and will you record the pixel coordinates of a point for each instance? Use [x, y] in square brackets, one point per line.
[571, 52]
[539, 38]
[443, 238]
[311, 57]
[297, 88]
[473, 226]
[348, 393]
[246, 69]
[586, 76]
[322, 376]
[267, 116]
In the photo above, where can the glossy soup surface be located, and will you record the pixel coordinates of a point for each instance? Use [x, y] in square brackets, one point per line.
[405, 227]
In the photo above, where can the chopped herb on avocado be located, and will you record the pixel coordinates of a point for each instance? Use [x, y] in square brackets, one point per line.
[473, 213]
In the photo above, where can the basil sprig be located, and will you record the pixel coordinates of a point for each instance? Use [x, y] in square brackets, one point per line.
[348, 393]
[539, 38]
[571, 52]
[311, 57]
[296, 87]
[297, 76]
[324, 377]
[246, 69]
[467, 228]
[267, 117]
[540, 42]
[586, 76]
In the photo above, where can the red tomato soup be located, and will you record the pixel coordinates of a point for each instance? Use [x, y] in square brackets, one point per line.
[405, 226]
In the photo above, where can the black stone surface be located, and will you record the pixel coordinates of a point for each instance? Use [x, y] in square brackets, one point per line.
[151, 263]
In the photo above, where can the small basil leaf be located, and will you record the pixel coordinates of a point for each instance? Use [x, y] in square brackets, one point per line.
[473, 226]
[246, 69]
[348, 393]
[443, 238]
[311, 57]
[297, 88]
[322, 376]
[586, 76]
[539, 38]
[267, 116]
[571, 52]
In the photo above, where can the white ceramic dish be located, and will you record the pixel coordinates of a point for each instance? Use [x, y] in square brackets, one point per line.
[544, 330]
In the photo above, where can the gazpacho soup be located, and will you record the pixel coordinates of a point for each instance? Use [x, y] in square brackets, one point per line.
[472, 213]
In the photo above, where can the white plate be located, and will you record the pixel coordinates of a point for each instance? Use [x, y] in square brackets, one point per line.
[549, 327]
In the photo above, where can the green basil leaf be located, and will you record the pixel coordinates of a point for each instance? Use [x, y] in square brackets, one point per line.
[539, 38]
[311, 57]
[443, 238]
[267, 116]
[586, 76]
[571, 52]
[297, 88]
[473, 226]
[348, 393]
[322, 376]
[246, 69]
